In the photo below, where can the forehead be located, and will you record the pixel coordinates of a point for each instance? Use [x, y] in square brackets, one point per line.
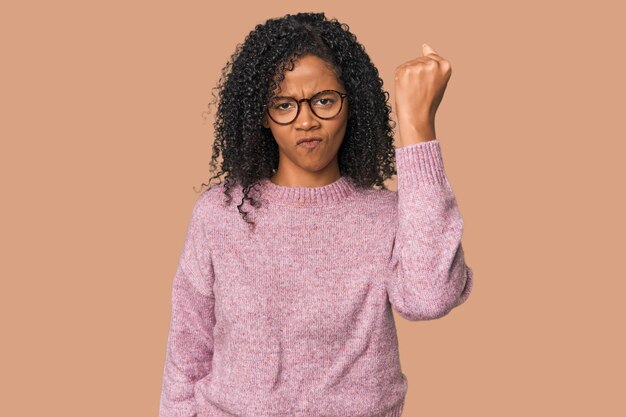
[309, 75]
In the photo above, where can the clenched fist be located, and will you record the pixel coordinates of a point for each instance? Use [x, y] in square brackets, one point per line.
[419, 87]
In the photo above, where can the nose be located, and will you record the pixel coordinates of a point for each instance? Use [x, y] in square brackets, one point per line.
[306, 118]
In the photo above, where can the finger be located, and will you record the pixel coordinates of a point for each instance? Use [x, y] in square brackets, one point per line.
[426, 60]
[430, 52]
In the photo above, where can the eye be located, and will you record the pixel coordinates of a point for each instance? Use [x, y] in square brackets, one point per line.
[327, 101]
[282, 106]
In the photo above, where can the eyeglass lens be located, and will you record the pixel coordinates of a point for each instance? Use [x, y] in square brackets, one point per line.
[324, 104]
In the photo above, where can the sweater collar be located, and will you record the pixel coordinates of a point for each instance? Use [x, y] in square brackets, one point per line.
[336, 191]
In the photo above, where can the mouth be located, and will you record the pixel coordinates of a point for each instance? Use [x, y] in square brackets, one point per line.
[309, 140]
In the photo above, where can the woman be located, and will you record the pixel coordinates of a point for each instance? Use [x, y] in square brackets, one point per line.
[289, 313]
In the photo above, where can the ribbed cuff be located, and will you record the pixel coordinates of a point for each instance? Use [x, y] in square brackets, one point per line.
[209, 410]
[420, 163]
[395, 411]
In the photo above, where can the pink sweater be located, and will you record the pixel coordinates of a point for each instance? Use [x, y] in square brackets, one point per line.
[294, 319]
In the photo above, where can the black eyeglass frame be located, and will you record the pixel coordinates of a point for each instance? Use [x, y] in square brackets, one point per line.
[308, 100]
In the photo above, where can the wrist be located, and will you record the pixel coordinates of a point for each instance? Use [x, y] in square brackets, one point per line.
[411, 133]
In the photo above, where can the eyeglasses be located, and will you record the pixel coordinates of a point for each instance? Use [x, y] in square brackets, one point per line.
[325, 105]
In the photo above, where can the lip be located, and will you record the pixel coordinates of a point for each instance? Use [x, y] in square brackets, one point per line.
[308, 139]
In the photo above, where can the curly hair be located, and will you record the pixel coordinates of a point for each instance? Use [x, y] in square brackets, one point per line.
[254, 71]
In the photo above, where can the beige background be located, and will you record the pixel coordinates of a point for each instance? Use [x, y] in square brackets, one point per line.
[104, 138]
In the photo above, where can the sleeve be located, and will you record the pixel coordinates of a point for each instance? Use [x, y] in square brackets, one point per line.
[428, 276]
[190, 340]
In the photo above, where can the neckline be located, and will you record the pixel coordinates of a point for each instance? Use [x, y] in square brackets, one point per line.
[336, 191]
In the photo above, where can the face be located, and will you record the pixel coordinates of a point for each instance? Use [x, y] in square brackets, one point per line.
[300, 163]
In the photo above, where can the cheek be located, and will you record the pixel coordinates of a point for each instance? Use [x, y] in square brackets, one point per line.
[281, 135]
[342, 123]
[339, 129]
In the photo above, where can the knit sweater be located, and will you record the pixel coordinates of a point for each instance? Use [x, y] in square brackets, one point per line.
[293, 318]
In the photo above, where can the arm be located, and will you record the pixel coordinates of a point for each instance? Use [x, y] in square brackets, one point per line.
[190, 341]
[429, 275]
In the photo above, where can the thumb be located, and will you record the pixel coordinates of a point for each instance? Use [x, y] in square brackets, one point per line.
[426, 49]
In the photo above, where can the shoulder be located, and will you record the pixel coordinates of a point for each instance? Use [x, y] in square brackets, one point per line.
[381, 196]
[210, 199]
[205, 204]
[376, 203]
[214, 202]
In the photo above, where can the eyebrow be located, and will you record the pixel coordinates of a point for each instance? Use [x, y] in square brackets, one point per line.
[324, 89]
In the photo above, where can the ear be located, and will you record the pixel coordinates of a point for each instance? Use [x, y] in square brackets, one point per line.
[265, 122]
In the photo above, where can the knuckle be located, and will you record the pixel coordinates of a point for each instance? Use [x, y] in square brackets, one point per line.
[401, 71]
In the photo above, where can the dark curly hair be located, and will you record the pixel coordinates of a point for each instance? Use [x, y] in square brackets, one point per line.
[253, 73]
